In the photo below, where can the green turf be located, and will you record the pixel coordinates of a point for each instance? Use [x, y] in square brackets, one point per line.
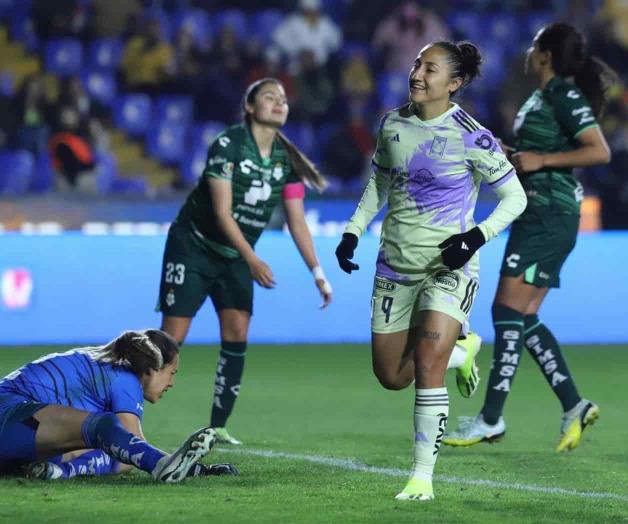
[324, 401]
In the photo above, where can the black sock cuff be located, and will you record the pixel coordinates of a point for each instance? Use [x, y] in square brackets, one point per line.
[236, 349]
[529, 321]
[503, 313]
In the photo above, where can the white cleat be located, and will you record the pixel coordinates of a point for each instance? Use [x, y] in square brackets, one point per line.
[472, 431]
[43, 470]
[175, 467]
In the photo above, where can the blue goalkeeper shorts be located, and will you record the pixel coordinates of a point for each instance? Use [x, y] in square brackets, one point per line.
[17, 430]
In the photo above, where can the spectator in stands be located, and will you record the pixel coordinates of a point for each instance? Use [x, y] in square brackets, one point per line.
[350, 148]
[61, 18]
[147, 60]
[314, 90]
[188, 62]
[113, 18]
[307, 29]
[269, 64]
[34, 112]
[72, 155]
[407, 29]
[356, 79]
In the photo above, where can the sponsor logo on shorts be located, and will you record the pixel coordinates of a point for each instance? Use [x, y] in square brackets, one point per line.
[544, 275]
[446, 280]
[170, 298]
[386, 285]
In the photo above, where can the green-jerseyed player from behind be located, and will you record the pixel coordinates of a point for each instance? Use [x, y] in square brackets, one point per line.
[430, 160]
[556, 130]
[250, 168]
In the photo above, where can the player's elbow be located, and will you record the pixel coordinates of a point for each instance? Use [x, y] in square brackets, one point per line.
[604, 155]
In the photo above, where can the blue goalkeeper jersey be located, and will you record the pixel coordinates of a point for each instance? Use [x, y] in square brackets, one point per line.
[76, 380]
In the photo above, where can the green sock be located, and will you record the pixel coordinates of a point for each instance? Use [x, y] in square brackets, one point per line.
[227, 383]
[508, 325]
[546, 352]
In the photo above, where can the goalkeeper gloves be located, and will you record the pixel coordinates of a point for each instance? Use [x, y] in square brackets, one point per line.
[458, 249]
[344, 252]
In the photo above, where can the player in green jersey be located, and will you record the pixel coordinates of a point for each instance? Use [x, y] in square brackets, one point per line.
[556, 130]
[430, 160]
[210, 248]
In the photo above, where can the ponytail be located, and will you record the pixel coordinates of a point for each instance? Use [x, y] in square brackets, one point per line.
[140, 351]
[595, 78]
[302, 165]
[464, 60]
[569, 58]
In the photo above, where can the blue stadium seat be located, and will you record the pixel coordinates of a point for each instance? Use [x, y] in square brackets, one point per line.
[23, 29]
[43, 174]
[203, 134]
[166, 142]
[335, 9]
[165, 21]
[533, 21]
[101, 86]
[105, 54]
[107, 171]
[392, 89]
[174, 109]
[301, 135]
[234, 18]
[7, 83]
[262, 24]
[493, 68]
[6, 6]
[467, 24]
[197, 20]
[128, 186]
[64, 56]
[192, 166]
[503, 29]
[132, 113]
[16, 172]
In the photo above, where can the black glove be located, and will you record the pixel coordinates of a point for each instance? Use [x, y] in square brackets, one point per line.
[202, 470]
[458, 249]
[344, 252]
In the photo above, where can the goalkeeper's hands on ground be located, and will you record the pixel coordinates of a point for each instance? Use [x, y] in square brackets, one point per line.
[458, 249]
[344, 252]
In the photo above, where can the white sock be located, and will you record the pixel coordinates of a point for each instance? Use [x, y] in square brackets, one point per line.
[457, 358]
[431, 409]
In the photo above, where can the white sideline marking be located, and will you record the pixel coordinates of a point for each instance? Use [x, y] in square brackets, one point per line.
[351, 465]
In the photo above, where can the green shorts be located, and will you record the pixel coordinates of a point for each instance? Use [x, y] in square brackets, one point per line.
[395, 305]
[538, 249]
[191, 272]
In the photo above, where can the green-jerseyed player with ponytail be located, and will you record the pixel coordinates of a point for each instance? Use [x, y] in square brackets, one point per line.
[250, 168]
[556, 131]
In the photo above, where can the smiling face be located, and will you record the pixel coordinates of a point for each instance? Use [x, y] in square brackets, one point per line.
[156, 383]
[270, 106]
[430, 77]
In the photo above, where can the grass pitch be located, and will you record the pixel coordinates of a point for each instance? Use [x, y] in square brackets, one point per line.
[325, 443]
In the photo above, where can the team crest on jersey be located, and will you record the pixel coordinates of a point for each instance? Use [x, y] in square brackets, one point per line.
[227, 169]
[278, 172]
[446, 280]
[385, 285]
[438, 146]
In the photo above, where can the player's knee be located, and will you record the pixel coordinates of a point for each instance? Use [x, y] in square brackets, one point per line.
[390, 379]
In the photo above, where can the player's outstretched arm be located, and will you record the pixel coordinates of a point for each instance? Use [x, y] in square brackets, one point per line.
[295, 218]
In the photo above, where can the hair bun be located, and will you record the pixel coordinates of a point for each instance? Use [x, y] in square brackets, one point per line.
[471, 59]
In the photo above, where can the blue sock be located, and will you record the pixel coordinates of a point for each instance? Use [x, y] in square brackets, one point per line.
[104, 431]
[93, 463]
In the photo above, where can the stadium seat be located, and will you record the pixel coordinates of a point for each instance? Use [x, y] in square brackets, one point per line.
[192, 166]
[107, 171]
[101, 86]
[503, 30]
[392, 88]
[233, 18]
[203, 133]
[132, 113]
[64, 56]
[302, 135]
[7, 83]
[105, 54]
[16, 168]
[174, 109]
[23, 29]
[128, 186]
[165, 21]
[534, 21]
[166, 142]
[196, 20]
[262, 24]
[43, 174]
[467, 25]
[335, 9]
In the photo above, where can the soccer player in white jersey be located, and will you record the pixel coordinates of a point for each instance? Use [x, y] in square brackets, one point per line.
[430, 160]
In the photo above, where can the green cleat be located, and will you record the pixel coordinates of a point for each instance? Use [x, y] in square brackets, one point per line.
[467, 375]
[417, 488]
[223, 437]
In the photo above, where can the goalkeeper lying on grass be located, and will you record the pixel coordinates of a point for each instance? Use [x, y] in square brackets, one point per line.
[79, 413]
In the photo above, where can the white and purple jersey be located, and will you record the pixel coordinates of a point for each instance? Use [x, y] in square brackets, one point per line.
[429, 173]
